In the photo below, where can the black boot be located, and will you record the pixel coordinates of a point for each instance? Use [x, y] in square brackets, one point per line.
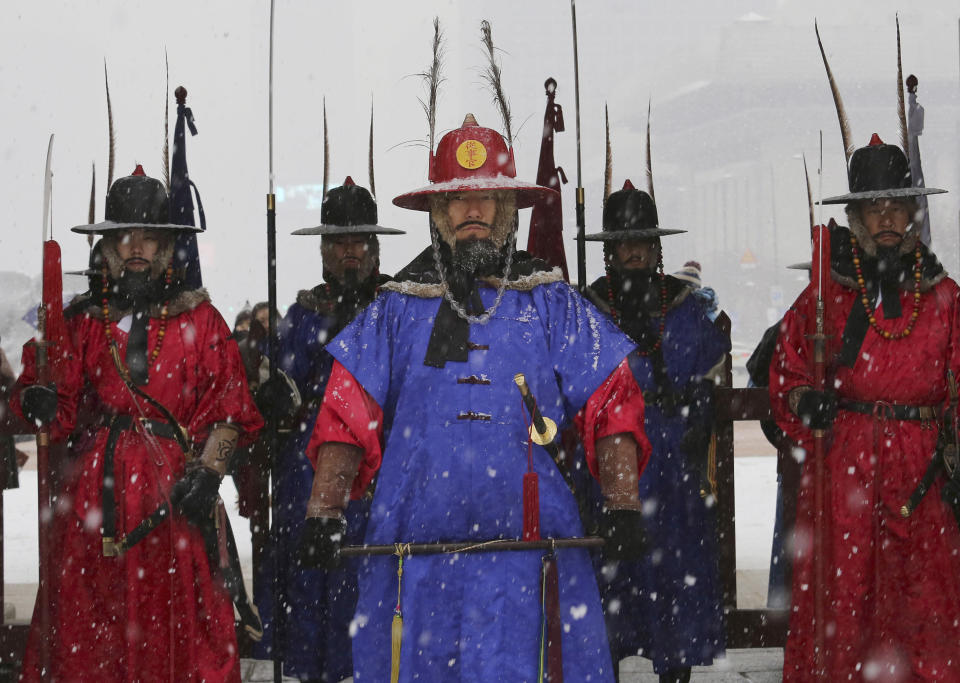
[679, 675]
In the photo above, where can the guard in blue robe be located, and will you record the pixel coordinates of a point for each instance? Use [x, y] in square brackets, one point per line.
[666, 607]
[423, 395]
[315, 643]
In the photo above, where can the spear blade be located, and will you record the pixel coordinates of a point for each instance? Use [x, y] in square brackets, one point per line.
[47, 229]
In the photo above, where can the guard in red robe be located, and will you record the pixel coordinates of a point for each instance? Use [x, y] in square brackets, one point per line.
[891, 597]
[173, 404]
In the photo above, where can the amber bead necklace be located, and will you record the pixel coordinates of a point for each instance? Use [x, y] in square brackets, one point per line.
[161, 333]
[871, 314]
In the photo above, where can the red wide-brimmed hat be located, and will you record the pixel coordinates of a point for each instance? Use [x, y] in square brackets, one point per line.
[473, 159]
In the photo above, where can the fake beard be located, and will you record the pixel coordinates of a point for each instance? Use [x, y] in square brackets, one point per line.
[476, 257]
[136, 288]
[888, 263]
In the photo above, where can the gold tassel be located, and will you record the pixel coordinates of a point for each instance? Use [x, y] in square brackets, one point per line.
[396, 628]
[396, 638]
[712, 465]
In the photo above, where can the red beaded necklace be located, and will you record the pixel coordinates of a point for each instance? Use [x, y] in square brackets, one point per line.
[917, 274]
[663, 305]
[105, 307]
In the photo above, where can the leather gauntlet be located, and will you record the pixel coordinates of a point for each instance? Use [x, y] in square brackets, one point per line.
[337, 467]
[619, 472]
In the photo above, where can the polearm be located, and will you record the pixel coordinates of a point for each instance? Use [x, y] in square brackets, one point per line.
[509, 544]
[581, 217]
[272, 353]
[46, 327]
[820, 260]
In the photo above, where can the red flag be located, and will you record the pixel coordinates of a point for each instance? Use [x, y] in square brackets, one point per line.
[546, 221]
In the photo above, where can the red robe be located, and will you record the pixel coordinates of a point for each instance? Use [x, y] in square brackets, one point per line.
[155, 613]
[893, 584]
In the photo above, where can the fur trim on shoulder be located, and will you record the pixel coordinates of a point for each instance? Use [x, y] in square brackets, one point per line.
[926, 284]
[187, 300]
[431, 290]
[309, 300]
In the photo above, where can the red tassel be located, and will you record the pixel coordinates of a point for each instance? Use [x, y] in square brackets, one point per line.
[531, 507]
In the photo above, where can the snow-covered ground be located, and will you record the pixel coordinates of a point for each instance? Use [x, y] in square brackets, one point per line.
[755, 502]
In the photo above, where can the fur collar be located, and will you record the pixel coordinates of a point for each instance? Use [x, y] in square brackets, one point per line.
[185, 300]
[323, 298]
[428, 290]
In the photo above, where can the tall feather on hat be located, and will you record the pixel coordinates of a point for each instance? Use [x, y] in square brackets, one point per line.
[471, 158]
[878, 170]
[348, 209]
[629, 213]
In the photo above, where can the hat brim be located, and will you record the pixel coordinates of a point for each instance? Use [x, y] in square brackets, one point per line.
[806, 265]
[897, 193]
[348, 230]
[618, 235]
[89, 272]
[104, 227]
[527, 194]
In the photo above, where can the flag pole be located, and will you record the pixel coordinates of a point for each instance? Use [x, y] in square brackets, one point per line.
[272, 352]
[581, 219]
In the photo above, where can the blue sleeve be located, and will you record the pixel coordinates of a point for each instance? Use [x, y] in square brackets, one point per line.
[302, 355]
[584, 346]
[712, 345]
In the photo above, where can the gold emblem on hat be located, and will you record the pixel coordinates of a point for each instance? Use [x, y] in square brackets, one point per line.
[471, 154]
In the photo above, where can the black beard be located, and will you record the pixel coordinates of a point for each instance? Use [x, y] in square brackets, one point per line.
[136, 286]
[135, 290]
[476, 257]
[350, 278]
[888, 262]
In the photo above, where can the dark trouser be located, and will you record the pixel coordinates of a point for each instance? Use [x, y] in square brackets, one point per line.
[678, 675]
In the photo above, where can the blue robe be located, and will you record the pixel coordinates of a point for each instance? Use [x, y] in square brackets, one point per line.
[667, 607]
[320, 603]
[447, 477]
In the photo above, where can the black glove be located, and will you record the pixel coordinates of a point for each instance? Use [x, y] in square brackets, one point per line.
[276, 399]
[817, 409]
[623, 533]
[195, 495]
[39, 403]
[320, 542]
[695, 442]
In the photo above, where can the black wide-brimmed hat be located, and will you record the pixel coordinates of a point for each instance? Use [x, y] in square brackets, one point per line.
[136, 201]
[630, 214]
[348, 210]
[880, 171]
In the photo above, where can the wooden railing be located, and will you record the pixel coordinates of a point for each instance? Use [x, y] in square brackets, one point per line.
[756, 627]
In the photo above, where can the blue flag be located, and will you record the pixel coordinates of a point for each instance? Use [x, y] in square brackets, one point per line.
[185, 255]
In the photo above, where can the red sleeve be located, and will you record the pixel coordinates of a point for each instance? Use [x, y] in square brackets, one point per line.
[66, 372]
[348, 414]
[223, 393]
[791, 368]
[616, 407]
